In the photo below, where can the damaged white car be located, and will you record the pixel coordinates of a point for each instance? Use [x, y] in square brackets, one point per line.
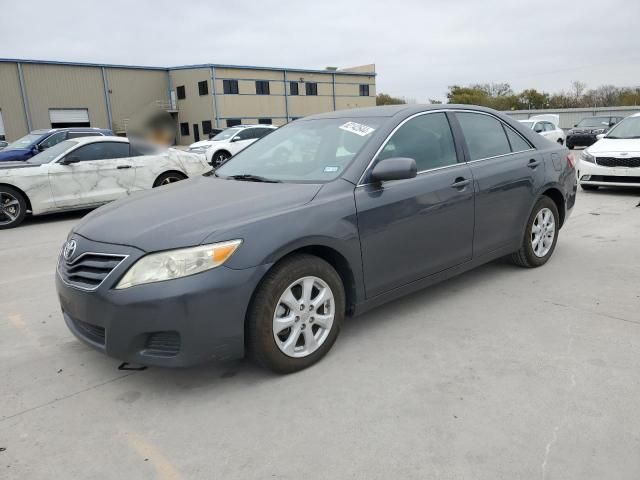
[87, 172]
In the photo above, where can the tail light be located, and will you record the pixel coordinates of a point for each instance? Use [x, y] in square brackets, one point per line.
[571, 160]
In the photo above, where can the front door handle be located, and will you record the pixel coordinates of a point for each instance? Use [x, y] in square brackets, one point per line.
[533, 163]
[122, 167]
[460, 183]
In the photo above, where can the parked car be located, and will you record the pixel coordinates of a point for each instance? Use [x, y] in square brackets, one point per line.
[547, 126]
[614, 160]
[3, 144]
[584, 133]
[39, 140]
[229, 142]
[325, 217]
[87, 172]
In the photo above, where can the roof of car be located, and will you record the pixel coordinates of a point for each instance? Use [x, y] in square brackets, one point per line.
[255, 125]
[74, 129]
[98, 138]
[392, 110]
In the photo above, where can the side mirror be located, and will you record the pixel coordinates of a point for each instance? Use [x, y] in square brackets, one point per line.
[69, 160]
[395, 168]
[600, 136]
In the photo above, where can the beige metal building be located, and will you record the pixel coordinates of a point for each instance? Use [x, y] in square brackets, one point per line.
[45, 94]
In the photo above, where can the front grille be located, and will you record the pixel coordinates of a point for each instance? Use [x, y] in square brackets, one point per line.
[162, 344]
[89, 270]
[631, 162]
[91, 332]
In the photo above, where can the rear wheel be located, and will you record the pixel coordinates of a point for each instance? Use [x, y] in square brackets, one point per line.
[540, 236]
[569, 146]
[589, 188]
[13, 207]
[295, 314]
[168, 177]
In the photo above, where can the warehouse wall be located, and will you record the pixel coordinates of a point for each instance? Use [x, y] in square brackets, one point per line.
[64, 86]
[131, 90]
[15, 121]
[195, 107]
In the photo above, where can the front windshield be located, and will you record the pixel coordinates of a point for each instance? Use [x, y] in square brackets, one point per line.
[51, 153]
[594, 122]
[304, 151]
[226, 134]
[627, 128]
[24, 142]
[527, 123]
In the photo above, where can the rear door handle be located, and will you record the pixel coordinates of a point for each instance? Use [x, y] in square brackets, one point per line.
[460, 183]
[533, 163]
[122, 167]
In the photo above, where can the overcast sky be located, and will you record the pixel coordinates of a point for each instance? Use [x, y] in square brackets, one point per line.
[419, 47]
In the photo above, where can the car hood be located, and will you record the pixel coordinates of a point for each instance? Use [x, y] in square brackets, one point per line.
[13, 154]
[183, 214]
[615, 145]
[204, 143]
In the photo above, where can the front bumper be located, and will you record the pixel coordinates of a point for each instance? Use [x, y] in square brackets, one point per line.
[175, 323]
[581, 139]
[593, 174]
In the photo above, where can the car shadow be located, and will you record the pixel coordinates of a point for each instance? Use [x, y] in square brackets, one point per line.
[54, 217]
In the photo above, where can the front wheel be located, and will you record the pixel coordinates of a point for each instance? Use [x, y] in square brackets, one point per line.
[219, 158]
[295, 315]
[540, 236]
[13, 207]
[167, 178]
[569, 146]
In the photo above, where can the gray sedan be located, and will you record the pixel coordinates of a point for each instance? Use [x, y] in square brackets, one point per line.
[325, 218]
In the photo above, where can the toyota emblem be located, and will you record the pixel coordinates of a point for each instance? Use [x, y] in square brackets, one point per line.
[69, 249]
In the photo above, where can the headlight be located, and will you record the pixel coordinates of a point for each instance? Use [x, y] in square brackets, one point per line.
[198, 150]
[183, 262]
[598, 130]
[587, 157]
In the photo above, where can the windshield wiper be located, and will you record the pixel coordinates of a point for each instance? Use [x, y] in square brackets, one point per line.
[253, 178]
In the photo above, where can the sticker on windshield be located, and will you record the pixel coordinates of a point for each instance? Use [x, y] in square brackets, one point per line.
[357, 128]
[331, 169]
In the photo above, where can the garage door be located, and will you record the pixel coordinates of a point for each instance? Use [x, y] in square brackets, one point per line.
[69, 117]
[1, 126]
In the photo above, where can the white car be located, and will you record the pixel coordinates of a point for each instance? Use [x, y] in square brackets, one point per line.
[547, 126]
[87, 172]
[614, 160]
[229, 142]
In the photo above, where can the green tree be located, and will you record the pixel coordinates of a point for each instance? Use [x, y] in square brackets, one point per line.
[384, 99]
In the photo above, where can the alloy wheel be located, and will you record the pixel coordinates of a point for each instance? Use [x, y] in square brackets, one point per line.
[543, 232]
[168, 180]
[303, 317]
[9, 208]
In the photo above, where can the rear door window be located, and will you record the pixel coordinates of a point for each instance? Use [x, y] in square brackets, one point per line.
[484, 135]
[101, 151]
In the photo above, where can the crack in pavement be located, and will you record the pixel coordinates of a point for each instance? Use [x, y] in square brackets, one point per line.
[55, 400]
[563, 420]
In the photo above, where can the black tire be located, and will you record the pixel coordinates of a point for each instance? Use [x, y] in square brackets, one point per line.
[525, 256]
[219, 158]
[261, 343]
[13, 207]
[569, 146]
[589, 188]
[168, 178]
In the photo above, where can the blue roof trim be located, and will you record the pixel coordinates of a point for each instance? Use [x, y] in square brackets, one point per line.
[183, 67]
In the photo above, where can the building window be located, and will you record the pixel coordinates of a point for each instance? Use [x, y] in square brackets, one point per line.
[232, 122]
[262, 87]
[293, 88]
[265, 121]
[181, 93]
[311, 88]
[206, 127]
[184, 128]
[364, 90]
[203, 88]
[230, 87]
